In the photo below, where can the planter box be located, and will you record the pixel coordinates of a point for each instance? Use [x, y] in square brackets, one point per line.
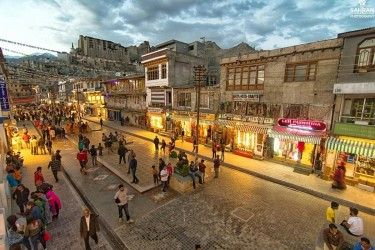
[181, 184]
[244, 154]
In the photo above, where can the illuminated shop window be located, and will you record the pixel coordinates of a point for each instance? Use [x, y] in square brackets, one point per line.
[156, 121]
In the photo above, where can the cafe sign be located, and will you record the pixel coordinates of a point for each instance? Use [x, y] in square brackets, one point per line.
[302, 124]
[246, 97]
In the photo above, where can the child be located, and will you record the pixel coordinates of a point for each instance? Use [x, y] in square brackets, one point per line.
[170, 171]
[100, 148]
[155, 174]
[18, 174]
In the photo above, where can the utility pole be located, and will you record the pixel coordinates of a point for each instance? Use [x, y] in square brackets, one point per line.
[199, 79]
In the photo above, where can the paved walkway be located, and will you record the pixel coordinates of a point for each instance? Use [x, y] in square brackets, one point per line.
[277, 173]
[64, 230]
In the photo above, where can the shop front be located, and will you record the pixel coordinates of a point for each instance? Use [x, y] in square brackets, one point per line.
[187, 121]
[353, 147]
[113, 114]
[298, 142]
[156, 119]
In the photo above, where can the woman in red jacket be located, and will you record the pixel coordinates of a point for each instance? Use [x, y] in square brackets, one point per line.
[38, 176]
[82, 158]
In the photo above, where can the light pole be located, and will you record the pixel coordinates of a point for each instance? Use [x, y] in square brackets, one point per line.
[199, 78]
[79, 107]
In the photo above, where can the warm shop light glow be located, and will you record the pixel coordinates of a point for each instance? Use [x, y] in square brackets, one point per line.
[156, 121]
[276, 144]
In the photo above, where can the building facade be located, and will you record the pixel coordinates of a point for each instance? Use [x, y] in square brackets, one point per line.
[353, 141]
[273, 101]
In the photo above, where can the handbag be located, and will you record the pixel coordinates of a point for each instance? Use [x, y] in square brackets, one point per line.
[117, 200]
[47, 236]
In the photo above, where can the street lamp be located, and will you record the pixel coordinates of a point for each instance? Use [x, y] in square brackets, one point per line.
[199, 78]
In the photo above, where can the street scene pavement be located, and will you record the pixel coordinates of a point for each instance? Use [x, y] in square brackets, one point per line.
[235, 211]
[267, 170]
[65, 229]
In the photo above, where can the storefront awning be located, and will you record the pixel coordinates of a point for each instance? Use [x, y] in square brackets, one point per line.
[226, 123]
[350, 146]
[308, 136]
[252, 128]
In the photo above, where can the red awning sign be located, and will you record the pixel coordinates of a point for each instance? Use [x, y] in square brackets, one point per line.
[302, 124]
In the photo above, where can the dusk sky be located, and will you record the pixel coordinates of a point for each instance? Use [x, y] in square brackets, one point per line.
[55, 24]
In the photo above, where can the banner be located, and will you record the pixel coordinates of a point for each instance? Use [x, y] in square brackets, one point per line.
[4, 101]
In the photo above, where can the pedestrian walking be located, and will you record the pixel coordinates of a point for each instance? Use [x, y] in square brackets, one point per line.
[164, 179]
[170, 171]
[122, 153]
[89, 227]
[217, 166]
[161, 165]
[93, 154]
[21, 195]
[222, 152]
[155, 175]
[156, 143]
[121, 199]
[100, 149]
[195, 145]
[101, 123]
[26, 139]
[130, 156]
[58, 155]
[133, 167]
[49, 146]
[41, 145]
[163, 145]
[82, 158]
[54, 203]
[34, 145]
[214, 149]
[182, 135]
[55, 166]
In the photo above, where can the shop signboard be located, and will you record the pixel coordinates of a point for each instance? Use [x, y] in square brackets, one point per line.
[353, 130]
[4, 101]
[246, 97]
[154, 110]
[302, 124]
[254, 119]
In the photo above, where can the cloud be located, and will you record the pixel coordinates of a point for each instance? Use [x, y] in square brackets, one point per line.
[261, 23]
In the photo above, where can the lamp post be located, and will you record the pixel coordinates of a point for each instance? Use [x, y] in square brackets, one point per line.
[199, 78]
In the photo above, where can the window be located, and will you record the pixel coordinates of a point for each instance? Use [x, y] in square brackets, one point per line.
[153, 73]
[164, 71]
[366, 57]
[245, 77]
[212, 80]
[300, 72]
[184, 99]
[358, 109]
[207, 100]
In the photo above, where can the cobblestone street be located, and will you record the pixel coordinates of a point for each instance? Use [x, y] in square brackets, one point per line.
[236, 211]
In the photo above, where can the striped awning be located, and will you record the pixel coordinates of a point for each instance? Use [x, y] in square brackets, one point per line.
[350, 146]
[295, 137]
[252, 128]
[226, 123]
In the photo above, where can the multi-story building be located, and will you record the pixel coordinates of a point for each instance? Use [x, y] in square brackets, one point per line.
[288, 90]
[353, 140]
[93, 47]
[171, 66]
[125, 100]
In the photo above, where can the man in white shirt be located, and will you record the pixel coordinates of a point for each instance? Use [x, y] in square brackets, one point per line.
[121, 198]
[164, 178]
[354, 225]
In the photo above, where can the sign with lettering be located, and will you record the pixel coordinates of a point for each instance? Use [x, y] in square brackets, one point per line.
[154, 110]
[361, 131]
[302, 124]
[246, 97]
[4, 101]
[254, 119]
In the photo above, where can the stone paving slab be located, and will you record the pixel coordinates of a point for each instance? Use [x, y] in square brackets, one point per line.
[64, 230]
[267, 170]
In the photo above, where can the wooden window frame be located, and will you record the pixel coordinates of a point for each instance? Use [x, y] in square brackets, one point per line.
[307, 73]
[245, 85]
[153, 73]
[371, 59]
[164, 71]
